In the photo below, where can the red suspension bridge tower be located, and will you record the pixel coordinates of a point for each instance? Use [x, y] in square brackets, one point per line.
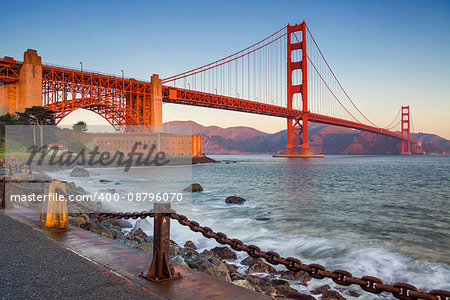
[405, 124]
[297, 129]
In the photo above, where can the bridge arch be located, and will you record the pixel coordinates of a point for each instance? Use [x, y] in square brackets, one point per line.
[112, 110]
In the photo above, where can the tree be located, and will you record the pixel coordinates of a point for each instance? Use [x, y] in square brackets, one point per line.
[80, 126]
[38, 116]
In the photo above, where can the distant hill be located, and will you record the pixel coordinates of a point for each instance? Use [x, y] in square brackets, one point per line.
[324, 139]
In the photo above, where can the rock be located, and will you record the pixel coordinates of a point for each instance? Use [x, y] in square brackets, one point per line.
[145, 246]
[143, 224]
[320, 289]
[232, 268]
[77, 221]
[104, 180]
[290, 293]
[243, 283]
[117, 183]
[131, 243]
[211, 265]
[79, 172]
[261, 267]
[187, 252]
[261, 284]
[332, 295]
[86, 226]
[207, 253]
[234, 274]
[190, 245]
[354, 293]
[137, 235]
[279, 282]
[301, 276]
[195, 187]
[224, 253]
[121, 223]
[248, 261]
[234, 200]
[178, 260]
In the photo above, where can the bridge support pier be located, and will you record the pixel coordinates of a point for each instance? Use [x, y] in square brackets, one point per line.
[27, 91]
[156, 104]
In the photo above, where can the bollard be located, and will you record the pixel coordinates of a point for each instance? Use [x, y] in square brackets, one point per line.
[3, 202]
[54, 208]
[161, 269]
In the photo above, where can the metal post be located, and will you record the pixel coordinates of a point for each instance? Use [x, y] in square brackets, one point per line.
[3, 202]
[161, 269]
[54, 215]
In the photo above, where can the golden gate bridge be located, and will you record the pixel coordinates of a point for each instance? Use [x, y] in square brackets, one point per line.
[284, 75]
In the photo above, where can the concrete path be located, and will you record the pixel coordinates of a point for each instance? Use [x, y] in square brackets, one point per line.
[35, 266]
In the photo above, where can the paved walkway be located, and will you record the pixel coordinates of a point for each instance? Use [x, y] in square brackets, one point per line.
[33, 265]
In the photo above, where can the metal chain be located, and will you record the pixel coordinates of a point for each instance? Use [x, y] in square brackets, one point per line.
[367, 283]
[120, 215]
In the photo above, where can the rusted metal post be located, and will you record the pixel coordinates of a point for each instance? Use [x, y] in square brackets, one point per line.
[54, 214]
[161, 269]
[3, 190]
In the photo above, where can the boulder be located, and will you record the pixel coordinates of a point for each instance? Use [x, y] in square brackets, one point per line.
[190, 245]
[290, 293]
[301, 276]
[249, 261]
[122, 223]
[195, 187]
[261, 284]
[320, 289]
[211, 266]
[79, 172]
[243, 283]
[234, 200]
[279, 282]
[224, 253]
[332, 295]
[137, 235]
[178, 260]
[104, 180]
[261, 267]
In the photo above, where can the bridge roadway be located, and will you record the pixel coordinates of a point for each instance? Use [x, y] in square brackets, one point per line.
[195, 98]
[9, 70]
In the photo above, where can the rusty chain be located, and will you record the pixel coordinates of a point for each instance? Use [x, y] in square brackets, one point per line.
[369, 284]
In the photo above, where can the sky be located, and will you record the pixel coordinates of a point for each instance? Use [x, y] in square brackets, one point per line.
[385, 53]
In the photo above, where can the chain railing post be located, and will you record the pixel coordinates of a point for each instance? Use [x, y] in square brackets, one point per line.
[54, 209]
[161, 268]
[3, 190]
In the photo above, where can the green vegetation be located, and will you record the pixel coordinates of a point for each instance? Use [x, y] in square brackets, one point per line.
[22, 137]
[80, 126]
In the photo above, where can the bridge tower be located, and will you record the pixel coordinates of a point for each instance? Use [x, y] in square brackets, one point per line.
[297, 129]
[405, 123]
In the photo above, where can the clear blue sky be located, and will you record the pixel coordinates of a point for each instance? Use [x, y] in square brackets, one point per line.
[386, 53]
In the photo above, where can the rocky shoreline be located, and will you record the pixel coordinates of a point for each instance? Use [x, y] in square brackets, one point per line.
[219, 262]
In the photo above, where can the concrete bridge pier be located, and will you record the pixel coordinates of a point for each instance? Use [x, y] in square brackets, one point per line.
[156, 104]
[27, 91]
